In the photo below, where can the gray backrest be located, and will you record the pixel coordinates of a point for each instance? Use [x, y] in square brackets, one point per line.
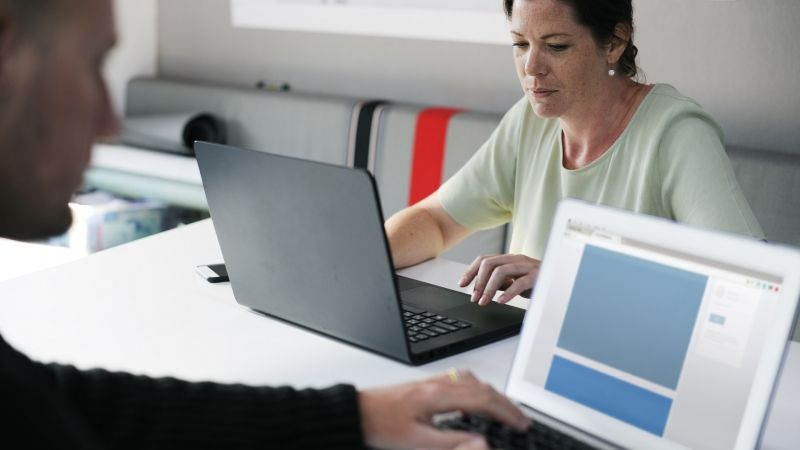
[771, 183]
[308, 126]
[394, 151]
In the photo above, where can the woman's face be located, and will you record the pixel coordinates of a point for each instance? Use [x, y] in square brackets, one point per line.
[559, 64]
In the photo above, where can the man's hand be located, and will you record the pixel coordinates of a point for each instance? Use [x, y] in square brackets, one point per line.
[515, 274]
[400, 417]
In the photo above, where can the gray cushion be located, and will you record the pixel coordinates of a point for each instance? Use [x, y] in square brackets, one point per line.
[306, 126]
[771, 183]
[394, 147]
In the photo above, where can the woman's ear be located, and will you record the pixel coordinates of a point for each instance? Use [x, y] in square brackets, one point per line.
[618, 43]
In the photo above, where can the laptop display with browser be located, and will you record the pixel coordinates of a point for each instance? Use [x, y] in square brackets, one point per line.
[646, 334]
[304, 242]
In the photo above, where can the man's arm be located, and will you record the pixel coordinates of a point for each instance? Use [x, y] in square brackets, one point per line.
[101, 409]
[136, 412]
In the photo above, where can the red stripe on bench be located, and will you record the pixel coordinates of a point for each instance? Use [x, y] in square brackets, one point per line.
[427, 162]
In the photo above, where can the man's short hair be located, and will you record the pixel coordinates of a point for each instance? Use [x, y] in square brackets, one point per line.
[33, 17]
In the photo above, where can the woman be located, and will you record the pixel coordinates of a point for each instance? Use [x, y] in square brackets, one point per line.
[585, 129]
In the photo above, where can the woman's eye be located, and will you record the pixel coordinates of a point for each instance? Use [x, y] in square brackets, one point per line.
[558, 47]
[519, 44]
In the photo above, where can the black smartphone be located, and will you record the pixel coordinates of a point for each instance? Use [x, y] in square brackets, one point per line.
[213, 273]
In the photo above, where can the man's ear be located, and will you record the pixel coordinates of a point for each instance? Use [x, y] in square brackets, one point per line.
[616, 47]
[6, 36]
[11, 44]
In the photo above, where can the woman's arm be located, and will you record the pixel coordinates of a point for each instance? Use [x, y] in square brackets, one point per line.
[425, 230]
[421, 232]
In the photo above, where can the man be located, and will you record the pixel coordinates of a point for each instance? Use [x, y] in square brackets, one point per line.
[53, 105]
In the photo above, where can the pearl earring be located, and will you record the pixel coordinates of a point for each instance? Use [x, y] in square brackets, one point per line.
[611, 72]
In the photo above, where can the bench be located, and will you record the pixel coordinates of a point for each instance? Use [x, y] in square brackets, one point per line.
[386, 137]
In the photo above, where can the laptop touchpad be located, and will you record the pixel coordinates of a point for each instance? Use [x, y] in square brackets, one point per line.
[434, 298]
[405, 284]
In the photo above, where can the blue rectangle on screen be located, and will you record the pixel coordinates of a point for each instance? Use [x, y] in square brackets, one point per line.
[632, 314]
[716, 318]
[611, 396]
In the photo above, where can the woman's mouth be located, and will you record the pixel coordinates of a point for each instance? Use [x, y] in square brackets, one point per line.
[540, 93]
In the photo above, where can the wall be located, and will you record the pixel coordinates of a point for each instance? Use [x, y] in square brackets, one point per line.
[740, 59]
[135, 53]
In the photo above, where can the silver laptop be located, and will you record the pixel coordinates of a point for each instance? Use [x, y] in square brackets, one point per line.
[646, 334]
[304, 242]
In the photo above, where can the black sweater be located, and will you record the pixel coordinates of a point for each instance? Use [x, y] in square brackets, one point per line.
[59, 407]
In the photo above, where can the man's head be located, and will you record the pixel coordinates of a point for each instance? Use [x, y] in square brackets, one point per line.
[53, 105]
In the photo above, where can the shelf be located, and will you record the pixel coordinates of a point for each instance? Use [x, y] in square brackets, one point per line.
[135, 172]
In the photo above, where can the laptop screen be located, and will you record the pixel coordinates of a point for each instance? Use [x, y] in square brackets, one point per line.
[666, 342]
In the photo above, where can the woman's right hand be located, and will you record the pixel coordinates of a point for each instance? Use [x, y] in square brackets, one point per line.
[515, 274]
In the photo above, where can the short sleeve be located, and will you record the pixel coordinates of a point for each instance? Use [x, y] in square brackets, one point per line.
[698, 183]
[481, 194]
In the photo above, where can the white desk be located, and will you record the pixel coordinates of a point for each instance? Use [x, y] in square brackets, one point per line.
[141, 308]
[21, 258]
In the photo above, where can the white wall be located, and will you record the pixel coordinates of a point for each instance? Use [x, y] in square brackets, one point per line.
[740, 59]
[208, 48]
[135, 53]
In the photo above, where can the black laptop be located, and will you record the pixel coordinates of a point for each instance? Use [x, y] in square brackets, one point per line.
[304, 242]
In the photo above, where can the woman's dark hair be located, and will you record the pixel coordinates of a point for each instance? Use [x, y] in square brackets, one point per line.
[601, 17]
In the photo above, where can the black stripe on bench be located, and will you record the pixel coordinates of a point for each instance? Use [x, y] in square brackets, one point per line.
[361, 146]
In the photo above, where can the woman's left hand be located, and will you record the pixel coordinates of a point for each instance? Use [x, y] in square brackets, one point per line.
[515, 274]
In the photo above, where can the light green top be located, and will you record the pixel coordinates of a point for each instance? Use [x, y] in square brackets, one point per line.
[668, 162]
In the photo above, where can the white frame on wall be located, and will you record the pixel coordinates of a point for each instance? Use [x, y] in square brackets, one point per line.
[437, 20]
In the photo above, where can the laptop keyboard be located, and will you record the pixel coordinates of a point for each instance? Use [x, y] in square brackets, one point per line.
[423, 325]
[538, 437]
